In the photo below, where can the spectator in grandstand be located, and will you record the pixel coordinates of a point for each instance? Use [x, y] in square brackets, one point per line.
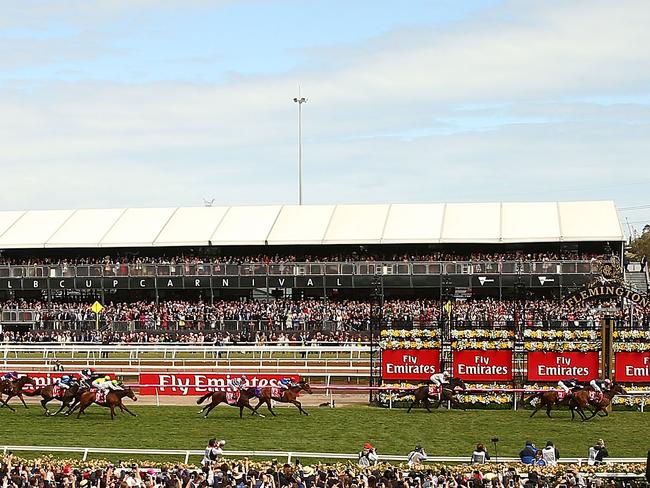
[597, 453]
[416, 456]
[368, 456]
[480, 454]
[527, 454]
[551, 454]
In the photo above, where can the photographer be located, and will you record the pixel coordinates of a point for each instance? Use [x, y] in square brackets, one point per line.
[213, 451]
[368, 456]
[416, 456]
[480, 454]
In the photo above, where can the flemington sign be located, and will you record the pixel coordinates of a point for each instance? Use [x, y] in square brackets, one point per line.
[598, 290]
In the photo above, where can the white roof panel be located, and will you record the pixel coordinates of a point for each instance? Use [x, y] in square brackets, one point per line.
[137, 227]
[589, 221]
[357, 224]
[530, 222]
[245, 226]
[301, 224]
[191, 226]
[34, 228]
[7, 218]
[418, 223]
[85, 228]
[471, 222]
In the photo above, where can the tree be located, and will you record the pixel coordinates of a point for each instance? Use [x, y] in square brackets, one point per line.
[641, 245]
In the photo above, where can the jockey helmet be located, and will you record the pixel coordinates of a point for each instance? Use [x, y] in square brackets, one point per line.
[65, 378]
[446, 374]
[243, 377]
[607, 381]
[107, 378]
[115, 382]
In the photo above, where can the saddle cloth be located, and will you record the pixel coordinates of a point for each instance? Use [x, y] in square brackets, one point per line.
[433, 390]
[595, 396]
[100, 395]
[58, 392]
[232, 397]
[561, 395]
[276, 392]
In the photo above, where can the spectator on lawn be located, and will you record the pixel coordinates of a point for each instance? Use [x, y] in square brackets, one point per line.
[213, 451]
[597, 453]
[416, 456]
[550, 454]
[368, 456]
[527, 454]
[480, 454]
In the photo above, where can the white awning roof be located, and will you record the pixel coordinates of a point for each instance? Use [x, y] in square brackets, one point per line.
[312, 225]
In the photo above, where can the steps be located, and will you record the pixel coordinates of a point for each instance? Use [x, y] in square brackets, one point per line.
[637, 280]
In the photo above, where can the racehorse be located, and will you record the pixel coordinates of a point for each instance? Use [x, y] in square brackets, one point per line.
[446, 394]
[70, 398]
[549, 399]
[582, 400]
[113, 399]
[12, 389]
[220, 396]
[289, 395]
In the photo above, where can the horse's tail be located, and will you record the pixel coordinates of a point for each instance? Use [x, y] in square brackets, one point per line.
[34, 393]
[529, 400]
[204, 398]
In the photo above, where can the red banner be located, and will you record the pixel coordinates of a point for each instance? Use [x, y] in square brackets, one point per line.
[184, 384]
[45, 379]
[409, 364]
[478, 365]
[554, 366]
[633, 367]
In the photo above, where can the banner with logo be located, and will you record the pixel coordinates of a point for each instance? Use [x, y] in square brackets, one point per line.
[555, 366]
[409, 364]
[184, 384]
[479, 365]
[633, 367]
[44, 379]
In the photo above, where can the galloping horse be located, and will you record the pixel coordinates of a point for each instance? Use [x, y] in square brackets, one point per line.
[70, 398]
[219, 396]
[446, 394]
[289, 395]
[14, 388]
[549, 399]
[582, 400]
[113, 399]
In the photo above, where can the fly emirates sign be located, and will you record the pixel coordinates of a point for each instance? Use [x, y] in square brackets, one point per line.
[477, 365]
[555, 366]
[633, 367]
[409, 364]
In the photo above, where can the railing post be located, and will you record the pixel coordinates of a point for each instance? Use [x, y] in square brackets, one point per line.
[514, 403]
[289, 454]
[85, 457]
[187, 457]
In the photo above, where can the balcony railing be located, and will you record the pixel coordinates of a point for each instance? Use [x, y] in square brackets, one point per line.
[362, 268]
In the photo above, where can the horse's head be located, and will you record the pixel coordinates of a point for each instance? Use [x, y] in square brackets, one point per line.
[128, 392]
[617, 389]
[457, 383]
[25, 380]
[305, 386]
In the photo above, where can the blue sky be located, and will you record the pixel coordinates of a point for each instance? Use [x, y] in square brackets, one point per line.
[164, 103]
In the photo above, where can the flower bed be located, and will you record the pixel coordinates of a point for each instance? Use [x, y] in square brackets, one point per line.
[631, 346]
[462, 344]
[554, 346]
[410, 339]
[482, 334]
[491, 400]
[567, 335]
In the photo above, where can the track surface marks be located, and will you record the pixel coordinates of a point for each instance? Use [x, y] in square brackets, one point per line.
[326, 430]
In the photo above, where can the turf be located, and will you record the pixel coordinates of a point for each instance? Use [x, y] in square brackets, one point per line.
[327, 430]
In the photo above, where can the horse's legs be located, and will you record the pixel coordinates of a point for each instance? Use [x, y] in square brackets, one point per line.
[20, 395]
[5, 404]
[248, 406]
[63, 405]
[112, 407]
[411, 405]
[425, 402]
[268, 405]
[548, 411]
[537, 409]
[44, 403]
[209, 407]
[123, 408]
[299, 405]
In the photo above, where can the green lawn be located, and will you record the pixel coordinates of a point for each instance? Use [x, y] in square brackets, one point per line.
[326, 430]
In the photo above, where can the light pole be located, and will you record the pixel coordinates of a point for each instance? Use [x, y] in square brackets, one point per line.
[299, 100]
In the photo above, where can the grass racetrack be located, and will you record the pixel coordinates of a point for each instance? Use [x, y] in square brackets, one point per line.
[325, 430]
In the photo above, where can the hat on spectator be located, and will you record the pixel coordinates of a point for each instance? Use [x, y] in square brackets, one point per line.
[367, 445]
[151, 471]
[307, 471]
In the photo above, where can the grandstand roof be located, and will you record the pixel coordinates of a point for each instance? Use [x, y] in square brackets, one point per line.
[313, 224]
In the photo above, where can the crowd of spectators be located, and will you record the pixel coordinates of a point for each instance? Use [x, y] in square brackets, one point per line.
[433, 256]
[305, 315]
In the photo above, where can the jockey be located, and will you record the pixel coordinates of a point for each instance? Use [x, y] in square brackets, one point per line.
[439, 379]
[238, 384]
[64, 382]
[105, 383]
[11, 376]
[286, 383]
[569, 385]
[86, 375]
[599, 384]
